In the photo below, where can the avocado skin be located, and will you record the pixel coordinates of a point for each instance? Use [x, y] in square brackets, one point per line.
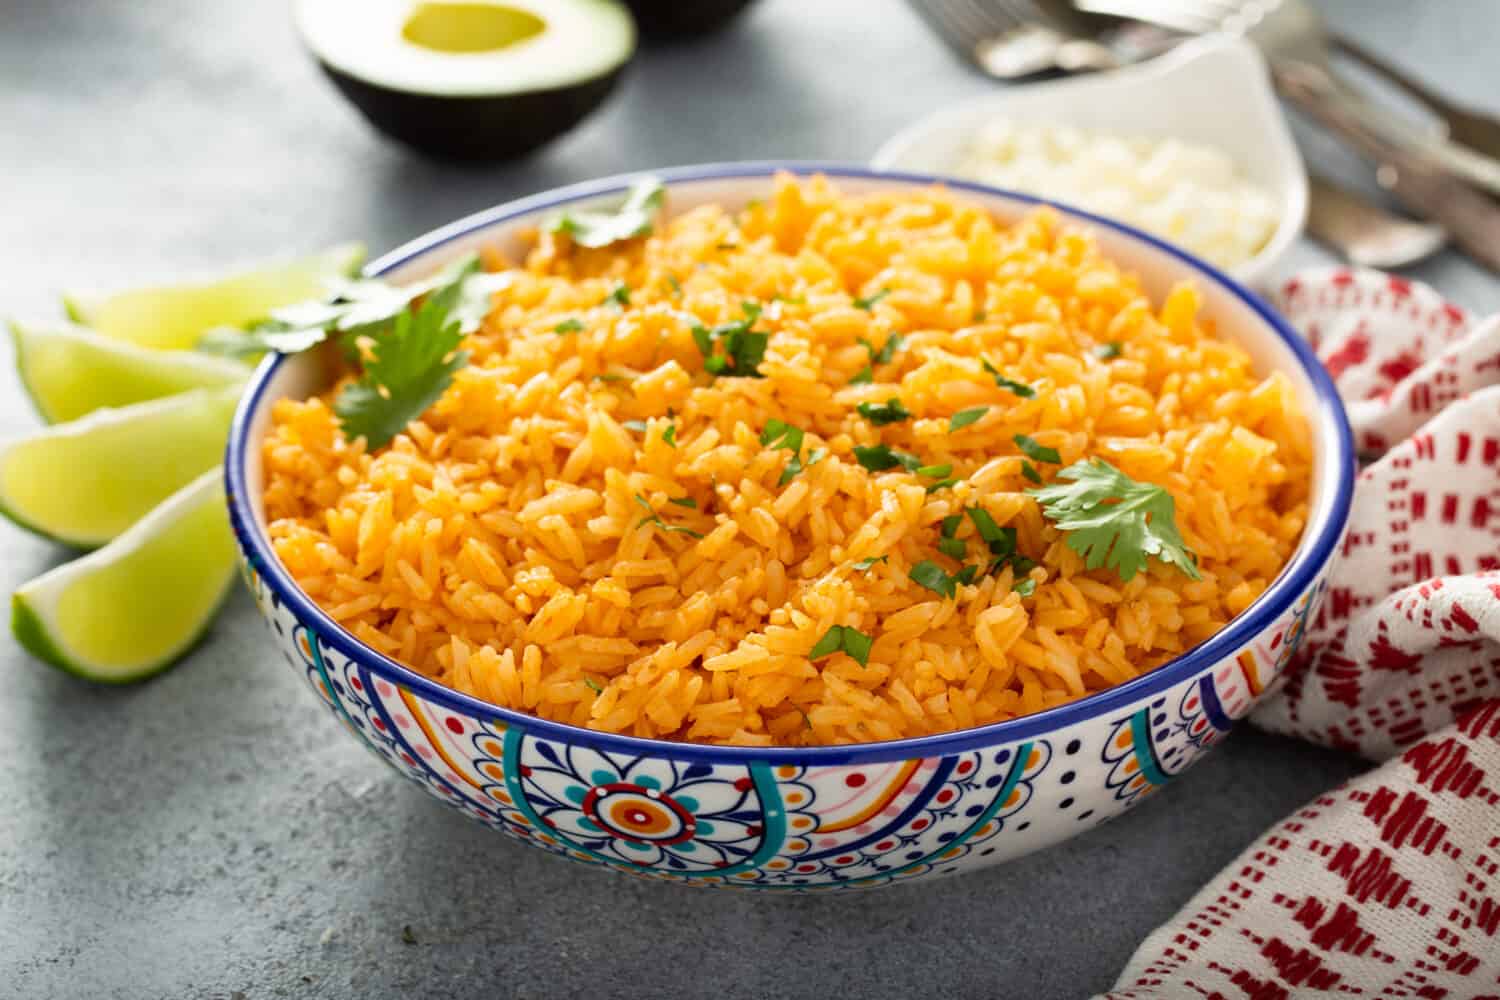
[679, 19]
[492, 127]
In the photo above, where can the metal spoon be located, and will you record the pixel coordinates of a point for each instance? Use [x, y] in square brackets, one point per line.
[1363, 232]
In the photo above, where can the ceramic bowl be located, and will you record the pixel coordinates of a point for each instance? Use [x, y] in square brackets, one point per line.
[802, 818]
[1215, 92]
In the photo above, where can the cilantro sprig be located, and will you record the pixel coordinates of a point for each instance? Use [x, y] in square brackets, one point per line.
[406, 368]
[1115, 521]
[636, 216]
[356, 308]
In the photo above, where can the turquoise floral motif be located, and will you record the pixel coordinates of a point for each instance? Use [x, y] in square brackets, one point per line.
[677, 816]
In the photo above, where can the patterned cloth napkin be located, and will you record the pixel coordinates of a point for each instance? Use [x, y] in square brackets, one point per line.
[1388, 886]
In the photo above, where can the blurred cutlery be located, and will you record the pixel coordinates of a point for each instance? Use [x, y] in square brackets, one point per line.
[1363, 232]
[1291, 32]
[1008, 39]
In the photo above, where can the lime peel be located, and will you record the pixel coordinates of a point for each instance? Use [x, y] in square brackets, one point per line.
[71, 371]
[131, 609]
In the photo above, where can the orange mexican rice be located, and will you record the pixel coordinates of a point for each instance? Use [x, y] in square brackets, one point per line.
[588, 527]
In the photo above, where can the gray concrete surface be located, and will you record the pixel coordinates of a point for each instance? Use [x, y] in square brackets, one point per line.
[213, 834]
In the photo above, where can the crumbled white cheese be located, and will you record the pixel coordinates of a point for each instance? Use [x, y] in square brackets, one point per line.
[1189, 194]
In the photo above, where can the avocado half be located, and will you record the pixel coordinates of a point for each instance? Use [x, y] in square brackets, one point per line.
[684, 18]
[471, 79]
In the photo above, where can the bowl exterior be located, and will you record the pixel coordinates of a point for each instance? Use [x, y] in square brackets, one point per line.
[770, 821]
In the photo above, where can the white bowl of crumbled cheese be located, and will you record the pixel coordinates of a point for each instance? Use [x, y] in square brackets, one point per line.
[1191, 147]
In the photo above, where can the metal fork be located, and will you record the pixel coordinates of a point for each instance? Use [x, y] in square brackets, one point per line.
[1293, 36]
[1008, 39]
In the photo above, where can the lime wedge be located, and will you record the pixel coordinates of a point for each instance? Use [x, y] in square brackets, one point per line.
[128, 610]
[86, 481]
[173, 317]
[70, 371]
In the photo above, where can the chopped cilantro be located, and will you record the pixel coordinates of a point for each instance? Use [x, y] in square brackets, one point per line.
[568, 326]
[687, 502]
[780, 434]
[865, 564]
[670, 435]
[950, 524]
[887, 350]
[1115, 521]
[620, 296]
[1109, 351]
[879, 457]
[864, 376]
[843, 639]
[744, 349]
[943, 484]
[964, 418]
[593, 684]
[890, 412]
[1025, 587]
[932, 576]
[934, 471]
[1029, 471]
[953, 548]
[1018, 388]
[652, 517]
[1036, 452]
[868, 302]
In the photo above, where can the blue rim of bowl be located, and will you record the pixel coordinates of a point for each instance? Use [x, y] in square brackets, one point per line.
[1306, 563]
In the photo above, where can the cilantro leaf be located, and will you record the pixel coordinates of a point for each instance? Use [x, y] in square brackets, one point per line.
[568, 326]
[1115, 521]
[409, 366]
[953, 548]
[780, 434]
[843, 639]
[636, 216]
[943, 484]
[620, 296]
[964, 418]
[932, 576]
[1037, 452]
[865, 564]
[1109, 351]
[890, 412]
[868, 302]
[744, 348]
[1018, 388]
[887, 350]
[950, 524]
[935, 471]
[687, 502]
[864, 376]
[1025, 588]
[879, 457]
[670, 435]
[1029, 471]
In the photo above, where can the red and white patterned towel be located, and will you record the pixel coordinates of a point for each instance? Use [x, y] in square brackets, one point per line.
[1390, 885]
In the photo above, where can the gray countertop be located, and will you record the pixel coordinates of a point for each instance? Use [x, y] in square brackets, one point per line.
[213, 834]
